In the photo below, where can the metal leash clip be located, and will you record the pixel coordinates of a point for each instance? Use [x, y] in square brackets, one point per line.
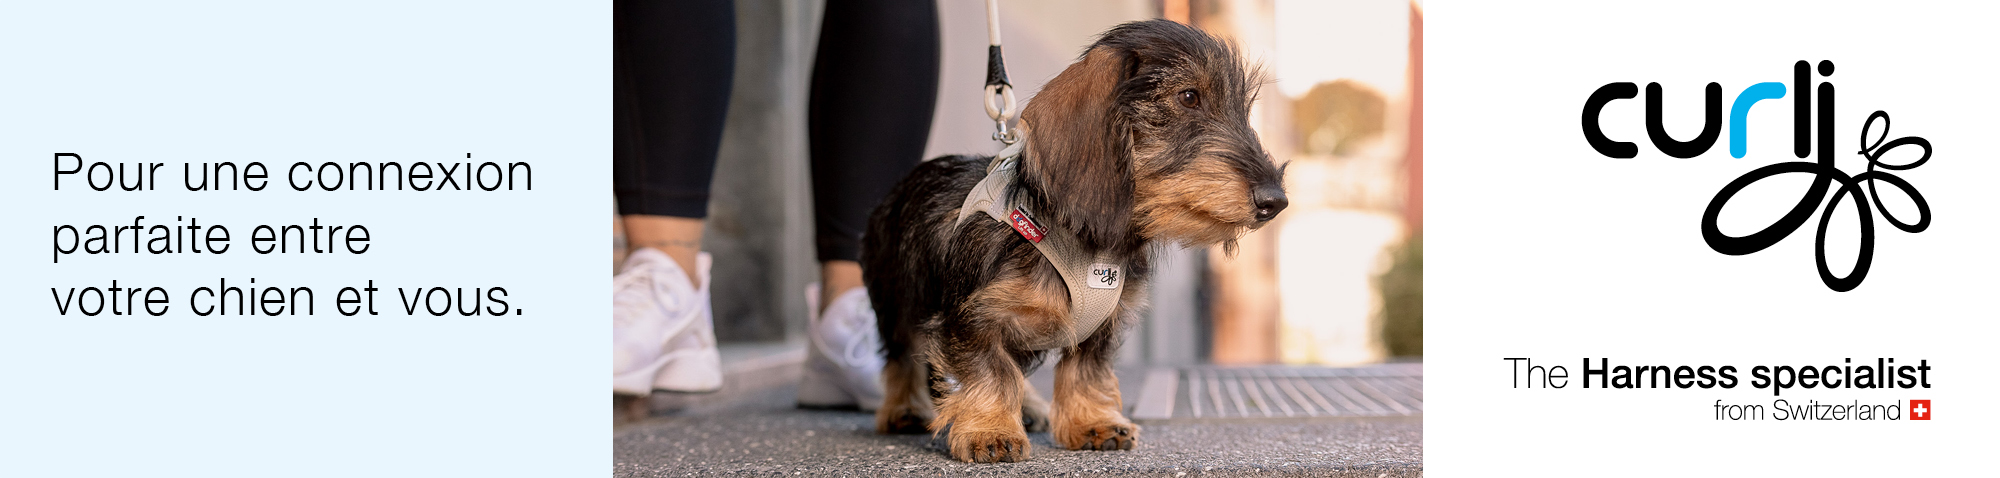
[1000, 103]
[1001, 112]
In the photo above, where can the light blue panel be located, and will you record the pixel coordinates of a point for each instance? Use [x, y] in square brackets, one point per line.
[322, 395]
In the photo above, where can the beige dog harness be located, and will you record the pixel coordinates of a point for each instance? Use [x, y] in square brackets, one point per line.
[1095, 281]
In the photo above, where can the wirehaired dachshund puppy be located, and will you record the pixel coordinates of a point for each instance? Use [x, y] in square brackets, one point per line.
[1143, 143]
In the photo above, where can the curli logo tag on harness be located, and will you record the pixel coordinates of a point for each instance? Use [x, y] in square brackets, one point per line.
[1104, 276]
[1026, 226]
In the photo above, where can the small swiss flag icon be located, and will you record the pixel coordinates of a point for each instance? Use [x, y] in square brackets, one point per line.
[1920, 409]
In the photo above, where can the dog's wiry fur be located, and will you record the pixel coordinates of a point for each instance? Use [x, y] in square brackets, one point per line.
[1143, 142]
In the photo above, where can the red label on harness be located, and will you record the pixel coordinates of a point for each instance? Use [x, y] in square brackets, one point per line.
[1026, 226]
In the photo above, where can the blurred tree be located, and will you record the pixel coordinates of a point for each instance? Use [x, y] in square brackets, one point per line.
[1338, 115]
[1403, 300]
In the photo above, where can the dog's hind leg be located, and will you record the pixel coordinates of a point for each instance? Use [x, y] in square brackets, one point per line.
[906, 405]
[1087, 405]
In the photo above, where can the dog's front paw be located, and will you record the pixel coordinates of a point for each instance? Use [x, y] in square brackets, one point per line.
[1107, 435]
[989, 447]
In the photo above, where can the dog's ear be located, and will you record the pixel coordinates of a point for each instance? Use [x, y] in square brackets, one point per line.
[1077, 162]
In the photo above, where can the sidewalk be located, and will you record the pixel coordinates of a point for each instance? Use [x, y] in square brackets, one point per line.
[753, 429]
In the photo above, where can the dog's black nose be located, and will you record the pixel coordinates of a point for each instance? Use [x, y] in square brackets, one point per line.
[1269, 201]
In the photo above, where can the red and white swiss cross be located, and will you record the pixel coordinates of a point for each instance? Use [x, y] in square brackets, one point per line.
[1920, 409]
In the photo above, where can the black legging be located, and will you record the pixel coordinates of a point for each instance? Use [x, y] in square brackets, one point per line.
[874, 85]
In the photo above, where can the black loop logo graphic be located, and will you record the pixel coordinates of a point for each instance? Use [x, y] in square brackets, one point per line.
[1825, 174]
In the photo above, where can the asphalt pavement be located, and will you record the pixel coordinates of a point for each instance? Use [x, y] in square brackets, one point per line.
[760, 433]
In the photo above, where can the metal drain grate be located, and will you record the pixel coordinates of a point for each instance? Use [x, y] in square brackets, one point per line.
[1388, 390]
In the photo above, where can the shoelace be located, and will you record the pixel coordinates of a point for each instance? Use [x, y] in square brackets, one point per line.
[860, 350]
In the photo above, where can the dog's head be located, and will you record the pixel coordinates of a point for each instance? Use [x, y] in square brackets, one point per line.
[1147, 135]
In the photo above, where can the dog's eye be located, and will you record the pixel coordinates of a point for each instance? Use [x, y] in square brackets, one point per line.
[1190, 99]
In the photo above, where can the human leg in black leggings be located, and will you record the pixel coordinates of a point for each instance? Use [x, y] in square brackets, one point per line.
[672, 67]
[874, 85]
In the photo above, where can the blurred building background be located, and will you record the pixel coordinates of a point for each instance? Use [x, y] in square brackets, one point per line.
[1336, 279]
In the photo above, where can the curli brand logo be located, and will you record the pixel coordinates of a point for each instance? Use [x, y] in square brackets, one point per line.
[1873, 147]
[1103, 276]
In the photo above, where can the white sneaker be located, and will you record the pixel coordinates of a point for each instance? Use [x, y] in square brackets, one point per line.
[662, 331]
[844, 358]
